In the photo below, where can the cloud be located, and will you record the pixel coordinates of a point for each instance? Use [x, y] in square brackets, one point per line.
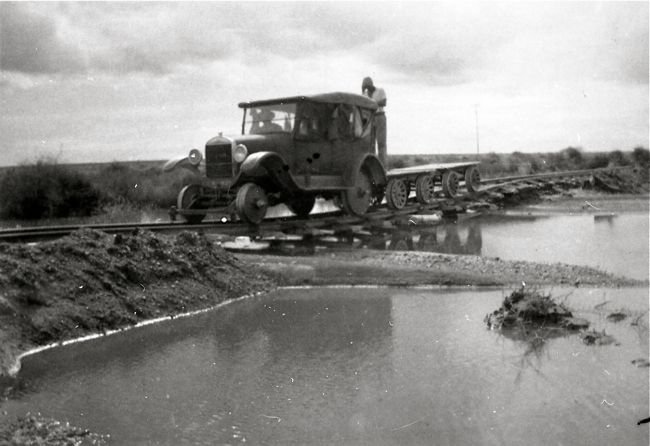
[122, 37]
[29, 42]
[437, 43]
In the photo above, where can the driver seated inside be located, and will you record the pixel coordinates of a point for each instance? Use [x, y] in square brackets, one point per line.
[263, 123]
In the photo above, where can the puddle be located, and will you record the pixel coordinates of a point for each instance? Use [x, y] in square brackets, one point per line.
[353, 366]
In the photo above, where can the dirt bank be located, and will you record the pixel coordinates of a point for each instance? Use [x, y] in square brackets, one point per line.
[90, 282]
[404, 268]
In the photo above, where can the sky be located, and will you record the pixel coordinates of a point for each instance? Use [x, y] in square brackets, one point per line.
[118, 81]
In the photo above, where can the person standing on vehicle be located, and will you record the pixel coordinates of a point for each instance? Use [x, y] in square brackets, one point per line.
[379, 96]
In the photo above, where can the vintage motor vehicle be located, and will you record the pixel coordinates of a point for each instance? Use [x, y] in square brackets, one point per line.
[291, 150]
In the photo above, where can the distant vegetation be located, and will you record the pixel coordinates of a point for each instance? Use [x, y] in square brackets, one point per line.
[47, 189]
[519, 163]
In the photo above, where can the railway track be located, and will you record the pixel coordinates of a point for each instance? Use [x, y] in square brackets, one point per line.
[335, 222]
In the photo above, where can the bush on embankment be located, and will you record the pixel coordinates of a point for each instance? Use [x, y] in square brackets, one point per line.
[47, 189]
[148, 186]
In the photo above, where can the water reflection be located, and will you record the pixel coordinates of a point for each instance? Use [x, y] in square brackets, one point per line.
[449, 238]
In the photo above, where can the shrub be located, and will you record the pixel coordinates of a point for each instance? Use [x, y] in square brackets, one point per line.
[641, 156]
[598, 161]
[573, 156]
[617, 158]
[121, 183]
[396, 163]
[46, 190]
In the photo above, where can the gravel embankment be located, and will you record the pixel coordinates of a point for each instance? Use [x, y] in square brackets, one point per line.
[404, 268]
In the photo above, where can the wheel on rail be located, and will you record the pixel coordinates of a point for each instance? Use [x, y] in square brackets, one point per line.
[251, 203]
[301, 205]
[356, 200]
[425, 189]
[187, 200]
[450, 181]
[472, 179]
[397, 193]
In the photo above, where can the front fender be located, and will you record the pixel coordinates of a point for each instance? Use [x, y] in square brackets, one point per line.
[269, 170]
[372, 165]
[172, 164]
[190, 162]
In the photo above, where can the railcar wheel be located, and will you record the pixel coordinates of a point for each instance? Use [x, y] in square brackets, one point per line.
[187, 199]
[472, 179]
[450, 183]
[251, 203]
[356, 200]
[425, 189]
[301, 205]
[397, 193]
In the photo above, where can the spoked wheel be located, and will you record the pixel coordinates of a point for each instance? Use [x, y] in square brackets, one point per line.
[301, 205]
[187, 200]
[356, 200]
[397, 193]
[472, 179]
[251, 203]
[450, 183]
[425, 189]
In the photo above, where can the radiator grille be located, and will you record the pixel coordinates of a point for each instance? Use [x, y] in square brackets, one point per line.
[218, 161]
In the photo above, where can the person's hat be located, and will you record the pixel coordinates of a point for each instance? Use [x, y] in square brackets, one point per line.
[367, 83]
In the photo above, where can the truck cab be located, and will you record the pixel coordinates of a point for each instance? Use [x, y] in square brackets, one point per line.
[290, 150]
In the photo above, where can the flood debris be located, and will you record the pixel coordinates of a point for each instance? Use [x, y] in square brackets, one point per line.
[594, 337]
[38, 430]
[641, 362]
[527, 307]
[616, 316]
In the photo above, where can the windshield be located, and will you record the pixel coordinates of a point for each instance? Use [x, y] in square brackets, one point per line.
[277, 118]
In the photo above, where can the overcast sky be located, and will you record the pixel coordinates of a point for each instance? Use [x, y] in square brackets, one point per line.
[128, 81]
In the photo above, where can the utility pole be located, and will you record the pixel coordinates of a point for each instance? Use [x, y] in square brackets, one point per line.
[476, 114]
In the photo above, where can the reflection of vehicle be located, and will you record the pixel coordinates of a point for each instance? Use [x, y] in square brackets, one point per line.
[448, 239]
[293, 149]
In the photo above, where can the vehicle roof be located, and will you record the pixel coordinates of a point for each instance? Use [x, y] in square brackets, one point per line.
[329, 98]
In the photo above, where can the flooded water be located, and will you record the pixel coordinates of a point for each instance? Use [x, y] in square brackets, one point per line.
[618, 244]
[348, 367]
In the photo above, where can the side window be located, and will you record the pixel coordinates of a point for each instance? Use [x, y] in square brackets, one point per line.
[349, 122]
[342, 123]
[276, 118]
[357, 125]
[366, 120]
[309, 126]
